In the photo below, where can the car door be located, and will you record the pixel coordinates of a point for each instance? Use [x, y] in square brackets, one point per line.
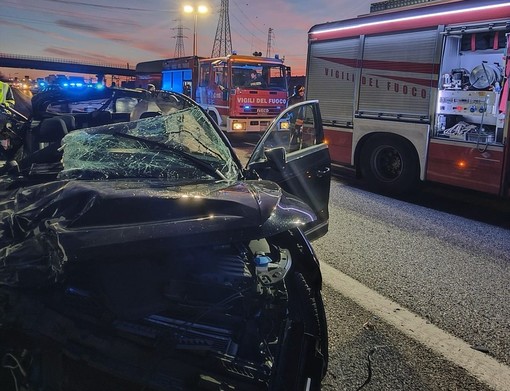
[292, 152]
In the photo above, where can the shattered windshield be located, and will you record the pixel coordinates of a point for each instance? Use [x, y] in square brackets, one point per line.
[179, 145]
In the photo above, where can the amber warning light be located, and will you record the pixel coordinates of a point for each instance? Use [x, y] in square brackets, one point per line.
[461, 164]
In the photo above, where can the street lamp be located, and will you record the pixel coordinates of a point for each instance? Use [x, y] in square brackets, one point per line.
[189, 9]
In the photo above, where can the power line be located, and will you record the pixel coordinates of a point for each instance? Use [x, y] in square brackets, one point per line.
[249, 20]
[255, 42]
[241, 35]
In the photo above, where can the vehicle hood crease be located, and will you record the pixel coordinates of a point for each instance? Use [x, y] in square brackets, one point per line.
[51, 224]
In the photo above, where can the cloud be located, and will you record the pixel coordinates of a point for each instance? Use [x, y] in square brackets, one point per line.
[79, 26]
[39, 32]
[103, 6]
[133, 31]
[80, 55]
[5, 22]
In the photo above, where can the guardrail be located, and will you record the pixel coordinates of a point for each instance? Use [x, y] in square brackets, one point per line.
[62, 61]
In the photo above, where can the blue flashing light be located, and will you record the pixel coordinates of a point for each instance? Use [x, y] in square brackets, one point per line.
[247, 107]
[99, 86]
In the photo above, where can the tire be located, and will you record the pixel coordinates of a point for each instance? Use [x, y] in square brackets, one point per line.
[389, 164]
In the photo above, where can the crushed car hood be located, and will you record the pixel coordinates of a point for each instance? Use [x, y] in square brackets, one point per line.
[45, 226]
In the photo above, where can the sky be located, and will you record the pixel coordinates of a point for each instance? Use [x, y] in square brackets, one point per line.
[121, 32]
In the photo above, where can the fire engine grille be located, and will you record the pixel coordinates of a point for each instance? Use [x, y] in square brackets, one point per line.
[260, 111]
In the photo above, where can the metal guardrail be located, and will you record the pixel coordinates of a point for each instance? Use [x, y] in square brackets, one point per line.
[63, 65]
[62, 61]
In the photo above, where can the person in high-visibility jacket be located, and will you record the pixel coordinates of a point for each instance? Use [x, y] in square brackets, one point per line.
[6, 95]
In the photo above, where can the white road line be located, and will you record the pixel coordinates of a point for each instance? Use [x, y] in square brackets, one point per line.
[478, 364]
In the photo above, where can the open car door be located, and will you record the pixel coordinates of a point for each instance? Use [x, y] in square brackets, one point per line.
[292, 153]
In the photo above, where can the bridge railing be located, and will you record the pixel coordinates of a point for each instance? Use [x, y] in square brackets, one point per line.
[61, 60]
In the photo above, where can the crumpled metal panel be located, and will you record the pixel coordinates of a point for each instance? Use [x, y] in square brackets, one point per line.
[46, 226]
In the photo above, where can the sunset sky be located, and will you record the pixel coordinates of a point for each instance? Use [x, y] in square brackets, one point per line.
[131, 31]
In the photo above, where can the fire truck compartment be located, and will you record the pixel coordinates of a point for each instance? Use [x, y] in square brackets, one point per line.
[469, 93]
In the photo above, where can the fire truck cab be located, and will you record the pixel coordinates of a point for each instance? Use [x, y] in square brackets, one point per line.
[417, 93]
[243, 92]
[240, 93]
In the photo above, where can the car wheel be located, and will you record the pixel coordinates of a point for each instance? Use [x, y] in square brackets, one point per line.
[389, 164]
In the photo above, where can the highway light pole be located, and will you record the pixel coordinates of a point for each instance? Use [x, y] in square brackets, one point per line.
[189, 9]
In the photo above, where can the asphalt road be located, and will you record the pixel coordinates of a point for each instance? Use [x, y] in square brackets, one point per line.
[416, 289]
[449, 271]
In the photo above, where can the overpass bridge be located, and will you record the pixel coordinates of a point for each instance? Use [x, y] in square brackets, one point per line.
[62, 65]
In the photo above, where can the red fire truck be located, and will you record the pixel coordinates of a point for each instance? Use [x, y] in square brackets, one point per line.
[417, 93]
[242, 93]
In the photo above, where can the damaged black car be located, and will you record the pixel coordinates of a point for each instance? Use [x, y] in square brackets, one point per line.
[140, 255]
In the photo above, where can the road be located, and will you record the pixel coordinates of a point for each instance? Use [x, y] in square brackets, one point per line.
[416, 289]
[449, 271]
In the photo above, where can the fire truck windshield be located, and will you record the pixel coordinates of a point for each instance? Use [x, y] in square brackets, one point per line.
[259, 76]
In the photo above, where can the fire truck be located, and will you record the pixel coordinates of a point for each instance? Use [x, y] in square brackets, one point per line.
[241, 93]
[417, 93]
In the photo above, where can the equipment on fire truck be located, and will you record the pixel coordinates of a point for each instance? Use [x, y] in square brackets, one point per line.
[457, 80]
[485, 75]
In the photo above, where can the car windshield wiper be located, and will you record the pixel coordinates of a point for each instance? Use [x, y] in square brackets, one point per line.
[206, 167]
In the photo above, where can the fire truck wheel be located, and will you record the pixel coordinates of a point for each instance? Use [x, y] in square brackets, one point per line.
[389, 164]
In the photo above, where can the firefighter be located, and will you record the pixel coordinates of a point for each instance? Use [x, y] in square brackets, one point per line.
[296, 119]
[6, 95]
[298, 95]
[256, 80]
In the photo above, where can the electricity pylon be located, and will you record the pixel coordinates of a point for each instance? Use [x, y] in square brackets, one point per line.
[222, 45]
[179, 44]
[270, 38]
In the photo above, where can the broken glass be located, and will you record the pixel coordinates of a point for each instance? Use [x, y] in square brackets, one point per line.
[179, 145]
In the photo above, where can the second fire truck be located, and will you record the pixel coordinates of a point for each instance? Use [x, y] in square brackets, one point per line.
[224, 87]
[417, 93]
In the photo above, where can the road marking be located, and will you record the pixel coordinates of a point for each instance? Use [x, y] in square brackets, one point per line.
[481, 366]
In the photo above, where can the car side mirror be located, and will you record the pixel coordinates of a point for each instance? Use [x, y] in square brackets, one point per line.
[225, 94]
[276, 157]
